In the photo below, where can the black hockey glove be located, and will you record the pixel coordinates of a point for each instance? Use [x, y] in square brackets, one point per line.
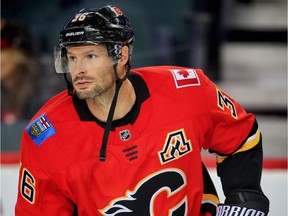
[244, 203]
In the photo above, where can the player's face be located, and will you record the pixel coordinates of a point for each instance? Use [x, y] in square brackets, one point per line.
[91, 70]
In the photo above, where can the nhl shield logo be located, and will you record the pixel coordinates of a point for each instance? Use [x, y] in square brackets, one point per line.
[125, 135]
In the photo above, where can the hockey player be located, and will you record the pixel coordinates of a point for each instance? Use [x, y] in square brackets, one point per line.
[124, 141]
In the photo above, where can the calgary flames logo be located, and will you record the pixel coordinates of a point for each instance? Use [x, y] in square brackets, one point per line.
[163, 186]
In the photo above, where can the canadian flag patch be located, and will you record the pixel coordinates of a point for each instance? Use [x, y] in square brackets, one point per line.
[185, 77]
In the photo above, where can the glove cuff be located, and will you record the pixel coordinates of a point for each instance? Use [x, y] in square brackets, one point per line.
[244, 203]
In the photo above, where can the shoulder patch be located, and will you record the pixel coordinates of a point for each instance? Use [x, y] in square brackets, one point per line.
[185, 77]
[40, 129]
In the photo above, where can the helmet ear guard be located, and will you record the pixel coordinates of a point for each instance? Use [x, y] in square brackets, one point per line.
[114, 50]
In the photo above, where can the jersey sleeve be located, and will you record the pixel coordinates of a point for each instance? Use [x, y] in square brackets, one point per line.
[38, 192]
[230, 125]
[235, 138]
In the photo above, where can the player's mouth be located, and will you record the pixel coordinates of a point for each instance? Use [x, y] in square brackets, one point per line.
[82, 84]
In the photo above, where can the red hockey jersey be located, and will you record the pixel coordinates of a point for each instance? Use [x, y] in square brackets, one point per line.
[153, 164]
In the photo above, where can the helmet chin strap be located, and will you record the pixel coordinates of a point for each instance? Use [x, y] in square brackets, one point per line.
[69, 84]
[109, 121]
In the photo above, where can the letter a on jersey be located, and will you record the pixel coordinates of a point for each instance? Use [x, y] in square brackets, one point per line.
[176, 145]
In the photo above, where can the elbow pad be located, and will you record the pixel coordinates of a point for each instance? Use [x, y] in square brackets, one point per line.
[244, 203]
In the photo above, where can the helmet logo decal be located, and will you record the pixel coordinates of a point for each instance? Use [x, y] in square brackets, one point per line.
[117, 11]
[74, 33]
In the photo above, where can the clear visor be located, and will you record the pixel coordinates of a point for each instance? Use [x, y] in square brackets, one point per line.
[84, 56]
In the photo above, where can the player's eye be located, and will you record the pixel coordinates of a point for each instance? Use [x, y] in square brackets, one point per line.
[71, 58]
[91, 56]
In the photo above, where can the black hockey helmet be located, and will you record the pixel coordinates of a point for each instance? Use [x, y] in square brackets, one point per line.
[106, 25]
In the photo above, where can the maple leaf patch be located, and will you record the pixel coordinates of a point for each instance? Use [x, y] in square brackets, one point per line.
[185, 77]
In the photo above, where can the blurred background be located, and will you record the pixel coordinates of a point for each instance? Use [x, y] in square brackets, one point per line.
[240, 44]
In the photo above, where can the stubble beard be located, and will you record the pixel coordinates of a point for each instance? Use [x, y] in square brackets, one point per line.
[102, 87]
[95, 91]
[87, 94]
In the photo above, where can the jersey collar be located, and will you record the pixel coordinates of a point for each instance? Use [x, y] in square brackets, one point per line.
[142, 93]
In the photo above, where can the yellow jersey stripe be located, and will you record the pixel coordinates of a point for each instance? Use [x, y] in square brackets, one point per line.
[251, 142]
[210, 198]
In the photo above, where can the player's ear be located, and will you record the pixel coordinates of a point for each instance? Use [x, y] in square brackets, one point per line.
[124, 56]
[121, 66]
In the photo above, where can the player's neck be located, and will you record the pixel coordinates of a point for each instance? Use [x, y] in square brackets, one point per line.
[100, 106]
